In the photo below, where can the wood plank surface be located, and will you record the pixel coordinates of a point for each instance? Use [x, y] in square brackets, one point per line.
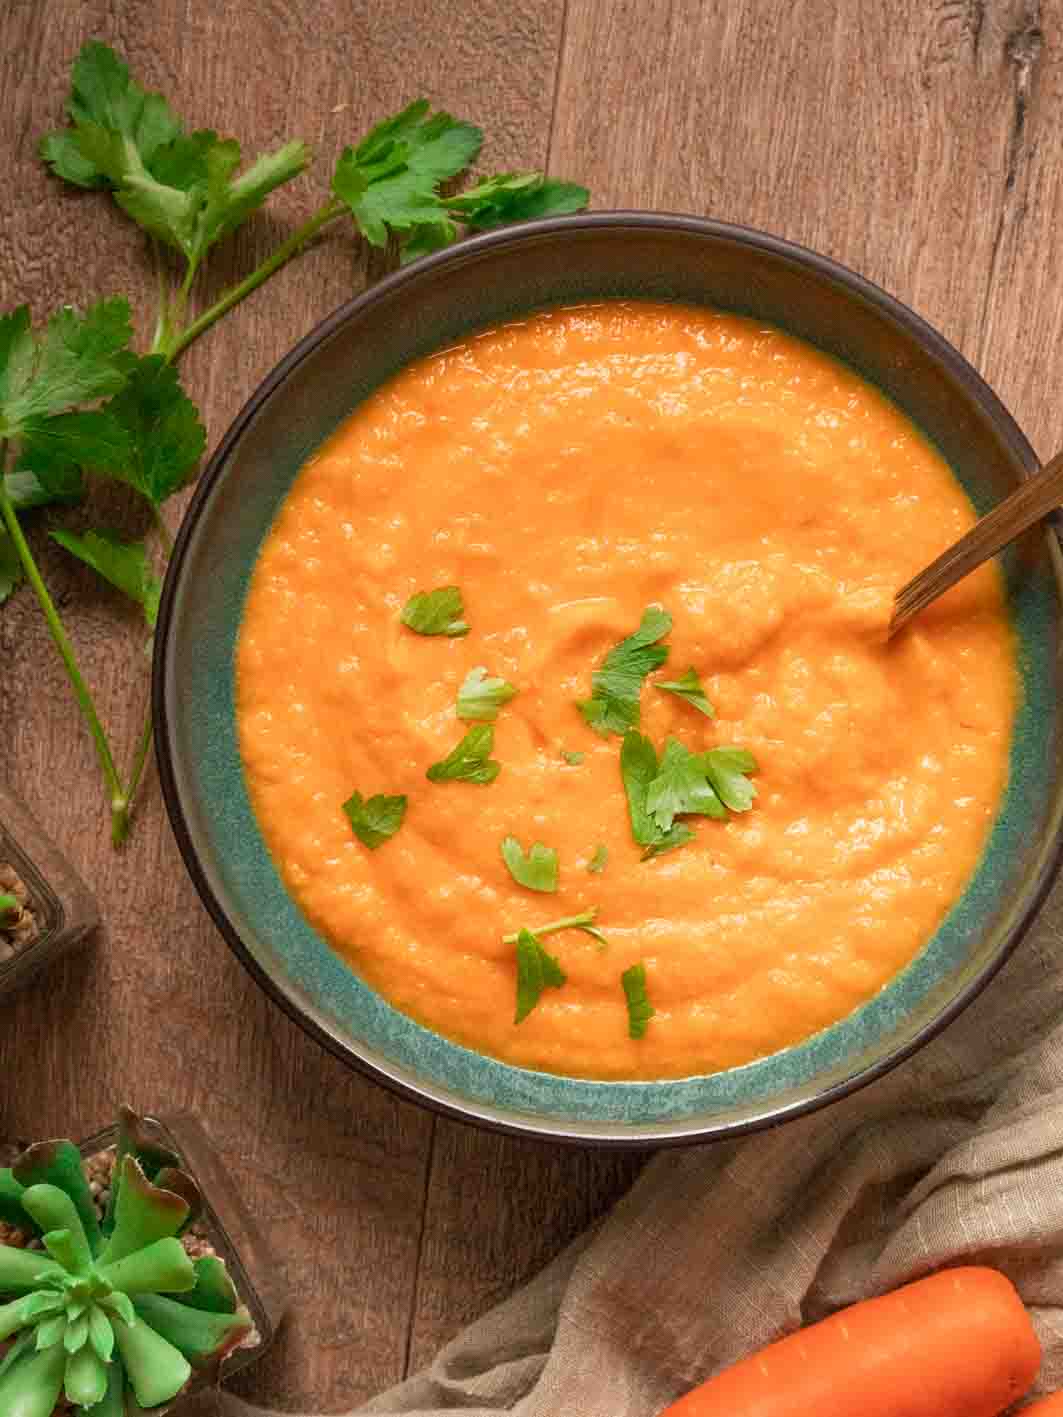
[915, 141]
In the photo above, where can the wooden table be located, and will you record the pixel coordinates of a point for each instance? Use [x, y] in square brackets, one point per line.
[918, 141]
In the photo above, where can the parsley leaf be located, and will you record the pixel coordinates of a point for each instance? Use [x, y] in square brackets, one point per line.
[726, 769]
[470, 761]
[638, 769]
[435, 612]
[536, 871]
[681, 785]
[56, 480]
[689, 687]
[573, 759]
[516, 196]
[10, 567]
[166, 438]
[373, 822]
[102, 93]
[124, 564]
[480, 697]
[536, 970]
[76, 359]
[639, 1008]
[583, 921]
[614, 703]
[599, 860]
[180, 187]
[390, 180]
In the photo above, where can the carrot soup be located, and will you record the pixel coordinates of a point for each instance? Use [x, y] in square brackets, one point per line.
[565, 703]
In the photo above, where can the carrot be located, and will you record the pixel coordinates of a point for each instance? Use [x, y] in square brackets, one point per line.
[1047, 1407]
[959, 1344]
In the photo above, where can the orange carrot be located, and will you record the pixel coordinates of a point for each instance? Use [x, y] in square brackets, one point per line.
[1047, 1407]
[959, 1344]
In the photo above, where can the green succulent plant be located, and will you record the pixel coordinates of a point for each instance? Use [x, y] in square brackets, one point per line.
[114, 1313]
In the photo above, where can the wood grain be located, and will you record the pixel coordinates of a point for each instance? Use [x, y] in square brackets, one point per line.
[915, 141]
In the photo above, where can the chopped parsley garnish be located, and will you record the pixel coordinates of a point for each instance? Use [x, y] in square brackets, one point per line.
[681, 786]
[373, 822]
[572, 758]
[727, 768]
[638, 768]
[435, 612]
[536, 870]
[689, 688]
[613, 706]
[470, 761]
[481, 696]
[639, 1008]
[599, 860]
[584, 921]
[536, 970]
[681, 783]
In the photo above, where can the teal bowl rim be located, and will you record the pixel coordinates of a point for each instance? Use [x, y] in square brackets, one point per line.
[625, 1135]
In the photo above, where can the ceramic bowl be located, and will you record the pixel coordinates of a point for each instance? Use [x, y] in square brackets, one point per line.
[480, 282]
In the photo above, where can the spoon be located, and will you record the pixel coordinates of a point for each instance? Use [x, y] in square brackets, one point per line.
[1040, 494]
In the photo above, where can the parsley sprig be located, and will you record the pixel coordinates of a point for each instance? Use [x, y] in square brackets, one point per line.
[76, 399]
[470, 760]
[639, 1008]
[537, 970]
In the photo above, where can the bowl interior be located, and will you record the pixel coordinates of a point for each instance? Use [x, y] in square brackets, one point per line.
[481, 282]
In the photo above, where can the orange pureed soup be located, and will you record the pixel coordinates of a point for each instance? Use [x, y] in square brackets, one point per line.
[566, 472]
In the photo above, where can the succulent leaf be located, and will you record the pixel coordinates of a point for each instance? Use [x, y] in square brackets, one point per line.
[45, 1301]
[112, 1404]
[51, 1331]
[157, 1371]
[121, 1305]
[11, 1201]
[13, 1317]
[55, 1212]
[24, 1270]
[204, 1338]
[101, 1334]
[162, 1266]
[180, 1183]
[30, 1387]
[143, 1213]
[77, 1334]
[214, 1289]
[21, 1345]
[86, 1378]
[135, 1139]
[58, 1163]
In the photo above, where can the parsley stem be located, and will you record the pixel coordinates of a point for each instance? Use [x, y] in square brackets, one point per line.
[62, 644]
[330, 212]
[571, 922]
[163, 530]
[139, 761]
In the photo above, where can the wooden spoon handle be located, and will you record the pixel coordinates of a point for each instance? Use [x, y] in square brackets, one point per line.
[1039, 494]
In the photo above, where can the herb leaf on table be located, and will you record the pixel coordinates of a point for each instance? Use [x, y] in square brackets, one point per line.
[124, 564]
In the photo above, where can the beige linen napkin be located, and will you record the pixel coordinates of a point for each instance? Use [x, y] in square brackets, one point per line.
[955, 1156]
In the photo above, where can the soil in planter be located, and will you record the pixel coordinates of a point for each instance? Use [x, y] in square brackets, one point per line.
[17, 933]
[99, 1169]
